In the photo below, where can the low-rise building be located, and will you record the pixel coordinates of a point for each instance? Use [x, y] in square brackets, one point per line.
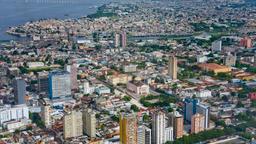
[138, 87]
[213, 67]
[119, 79]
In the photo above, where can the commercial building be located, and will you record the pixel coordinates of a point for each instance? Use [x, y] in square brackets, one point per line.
[19, 86]
[172, 67]
[43, 82]
[59, 84]
[128, 129]
[89, 122]
[130, 68]
[201, 58]
[119, 79]
[87, 88]
[144, 135]
[35, 64]
[213, 67]
[203, 93]
[102, 90]
[138, 87]
[192, 107]
[197, 123]
[73, 124]
[189, 108]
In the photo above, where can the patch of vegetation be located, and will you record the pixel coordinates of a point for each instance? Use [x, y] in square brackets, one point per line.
[127, 98]
[161, 100]
[36, 119]
[203, 136]
[135, 108]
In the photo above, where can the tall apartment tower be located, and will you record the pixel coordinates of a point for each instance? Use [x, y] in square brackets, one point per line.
[177, 123]
[117, 40]
[19, 86]
[246, 42]
[72, 69]
[172, 67]
[158, 127]
[89, 122]
[197, 123]
[123, 39]
[59, 84]
[144, 135]
[128, 129]
[205, 111]
[168, 134]
[73, 124]
[45, 114]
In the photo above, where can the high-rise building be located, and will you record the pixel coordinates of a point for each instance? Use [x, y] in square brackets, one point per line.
[230, 60]
[158, 127]
[217, 46]
[177, 123]
[193, 106]
[197, 123]
[16, 112]
[168, 134]
[172, 67]
[72, 69]
[19, 86]
[45, 114]
[144, 135]
[43, 82]
[73, 124]
[117, 40]
[246, 42]
[87, 89]
[89, 122]
[123, 39]
[128, 129]
[205, 111]
[189, 108]
[59, 84]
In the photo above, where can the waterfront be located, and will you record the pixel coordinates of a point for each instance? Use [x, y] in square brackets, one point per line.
[17, 12]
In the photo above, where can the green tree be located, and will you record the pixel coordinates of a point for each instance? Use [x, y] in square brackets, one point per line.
[239, 104]
[221, 123]
[145, 118]
[127, 98]
[253, 104]
[115, 118]
[135, 108]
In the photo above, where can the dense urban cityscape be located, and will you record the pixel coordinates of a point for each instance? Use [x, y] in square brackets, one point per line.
[133, 72]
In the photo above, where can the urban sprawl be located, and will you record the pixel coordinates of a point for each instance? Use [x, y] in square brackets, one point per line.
[135, 72]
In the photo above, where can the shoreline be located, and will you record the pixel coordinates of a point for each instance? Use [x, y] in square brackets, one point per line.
[8, 35]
